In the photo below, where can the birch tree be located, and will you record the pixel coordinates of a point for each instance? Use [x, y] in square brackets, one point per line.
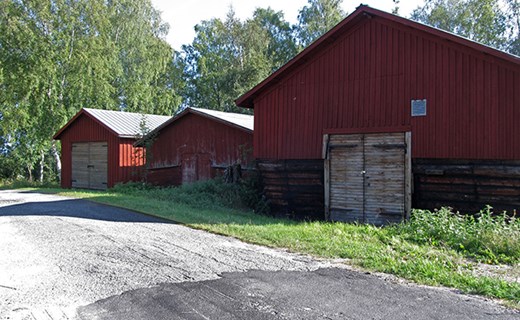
[59, 56]
[491, 22]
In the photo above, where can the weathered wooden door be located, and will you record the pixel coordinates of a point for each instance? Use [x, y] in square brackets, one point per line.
[367, 177]
[89, 165]
[189, 168]
[195, 167]
[203, 167]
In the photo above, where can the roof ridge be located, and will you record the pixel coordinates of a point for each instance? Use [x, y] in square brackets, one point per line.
[219, 111]
[238, 120]
[125, 112]
[246, 100]
[121, 123]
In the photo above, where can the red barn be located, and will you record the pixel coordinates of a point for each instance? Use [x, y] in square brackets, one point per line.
[197, 144]
[381, 114]
[97, 147]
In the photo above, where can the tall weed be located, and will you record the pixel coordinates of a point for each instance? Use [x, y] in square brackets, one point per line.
[207, 194]
[485, 237]
[23, 183]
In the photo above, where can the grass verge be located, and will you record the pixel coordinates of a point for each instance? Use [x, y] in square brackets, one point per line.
[423, 250]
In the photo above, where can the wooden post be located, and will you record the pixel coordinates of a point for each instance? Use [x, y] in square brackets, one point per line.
[408, 176]
[325, 147]
[326, 175]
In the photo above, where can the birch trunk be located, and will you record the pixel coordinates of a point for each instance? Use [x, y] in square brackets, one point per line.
[56, 156]
[29, 170]
[42, 164]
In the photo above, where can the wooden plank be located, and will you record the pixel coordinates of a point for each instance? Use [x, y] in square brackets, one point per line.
[80, 162]
[294, 187]
[385, 175]
[98, 165]
[408, 175]
[346, 166]
[325, 147]
[189, 168]
[326, 185]
[367, 175]
[484, 182]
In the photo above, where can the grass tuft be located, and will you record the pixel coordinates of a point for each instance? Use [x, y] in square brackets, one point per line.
[488, 238]
[202, 194]
[23, 183]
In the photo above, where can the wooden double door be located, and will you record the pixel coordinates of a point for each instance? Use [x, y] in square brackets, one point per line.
[195, 167]
[367, 177]
[90, 165]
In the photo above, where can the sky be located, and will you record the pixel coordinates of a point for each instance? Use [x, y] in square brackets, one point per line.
[183, 15]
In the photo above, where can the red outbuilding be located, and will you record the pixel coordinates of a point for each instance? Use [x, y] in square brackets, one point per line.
[97, 147]
[382, 114]
[197, 144]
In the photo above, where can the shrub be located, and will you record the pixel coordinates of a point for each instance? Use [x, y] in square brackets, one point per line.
[486, 237]
[24, 183]
[204, 194]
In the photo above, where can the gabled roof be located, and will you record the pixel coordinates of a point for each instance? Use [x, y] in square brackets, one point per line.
[245, 121]
[240, 121]
[361, 13]
[122, 124]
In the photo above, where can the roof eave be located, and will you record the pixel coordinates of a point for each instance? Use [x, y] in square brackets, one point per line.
[224, 121]
[246, 100]
[60, 132]
[140, 142]
[93, 117]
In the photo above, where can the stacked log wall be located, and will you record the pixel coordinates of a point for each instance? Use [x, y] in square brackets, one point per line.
[466, 185]
[294, 188]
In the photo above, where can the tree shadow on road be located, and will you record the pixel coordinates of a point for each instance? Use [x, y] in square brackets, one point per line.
[75, 208]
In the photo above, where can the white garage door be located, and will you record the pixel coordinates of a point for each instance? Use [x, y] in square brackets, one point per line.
[89, 165]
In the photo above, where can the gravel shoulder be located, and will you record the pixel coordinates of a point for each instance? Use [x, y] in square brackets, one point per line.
[60, 253]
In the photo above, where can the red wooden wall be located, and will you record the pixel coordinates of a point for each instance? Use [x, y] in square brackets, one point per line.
[194, 134]
[121, 153]
[131, 161]
[364, 80]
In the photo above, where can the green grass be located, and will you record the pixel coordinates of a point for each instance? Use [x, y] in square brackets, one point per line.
[485, 237]
[17, 184]
[437, 248]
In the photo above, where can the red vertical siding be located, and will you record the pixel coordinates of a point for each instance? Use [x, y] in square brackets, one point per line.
[365, 80]
[131, 161]
[85, 129]
[195, 134]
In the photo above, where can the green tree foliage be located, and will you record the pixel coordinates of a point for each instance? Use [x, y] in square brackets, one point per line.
[58, 56]
[281, 42]
[491, 22]
[316, 18]
[512, 8]
[228, 57]
[395, 9]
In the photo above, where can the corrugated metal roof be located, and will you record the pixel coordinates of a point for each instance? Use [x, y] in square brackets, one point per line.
[126, 124]
[242, 120]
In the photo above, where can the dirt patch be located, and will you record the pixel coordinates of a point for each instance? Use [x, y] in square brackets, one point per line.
[504, 272]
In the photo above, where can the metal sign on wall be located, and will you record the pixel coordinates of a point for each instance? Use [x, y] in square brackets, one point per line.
[418, 108]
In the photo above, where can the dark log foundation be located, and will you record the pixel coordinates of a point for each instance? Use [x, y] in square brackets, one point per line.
[466, 186]
[294, 188]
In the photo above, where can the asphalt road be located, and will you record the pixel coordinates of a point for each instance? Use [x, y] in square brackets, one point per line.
[62, 258]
